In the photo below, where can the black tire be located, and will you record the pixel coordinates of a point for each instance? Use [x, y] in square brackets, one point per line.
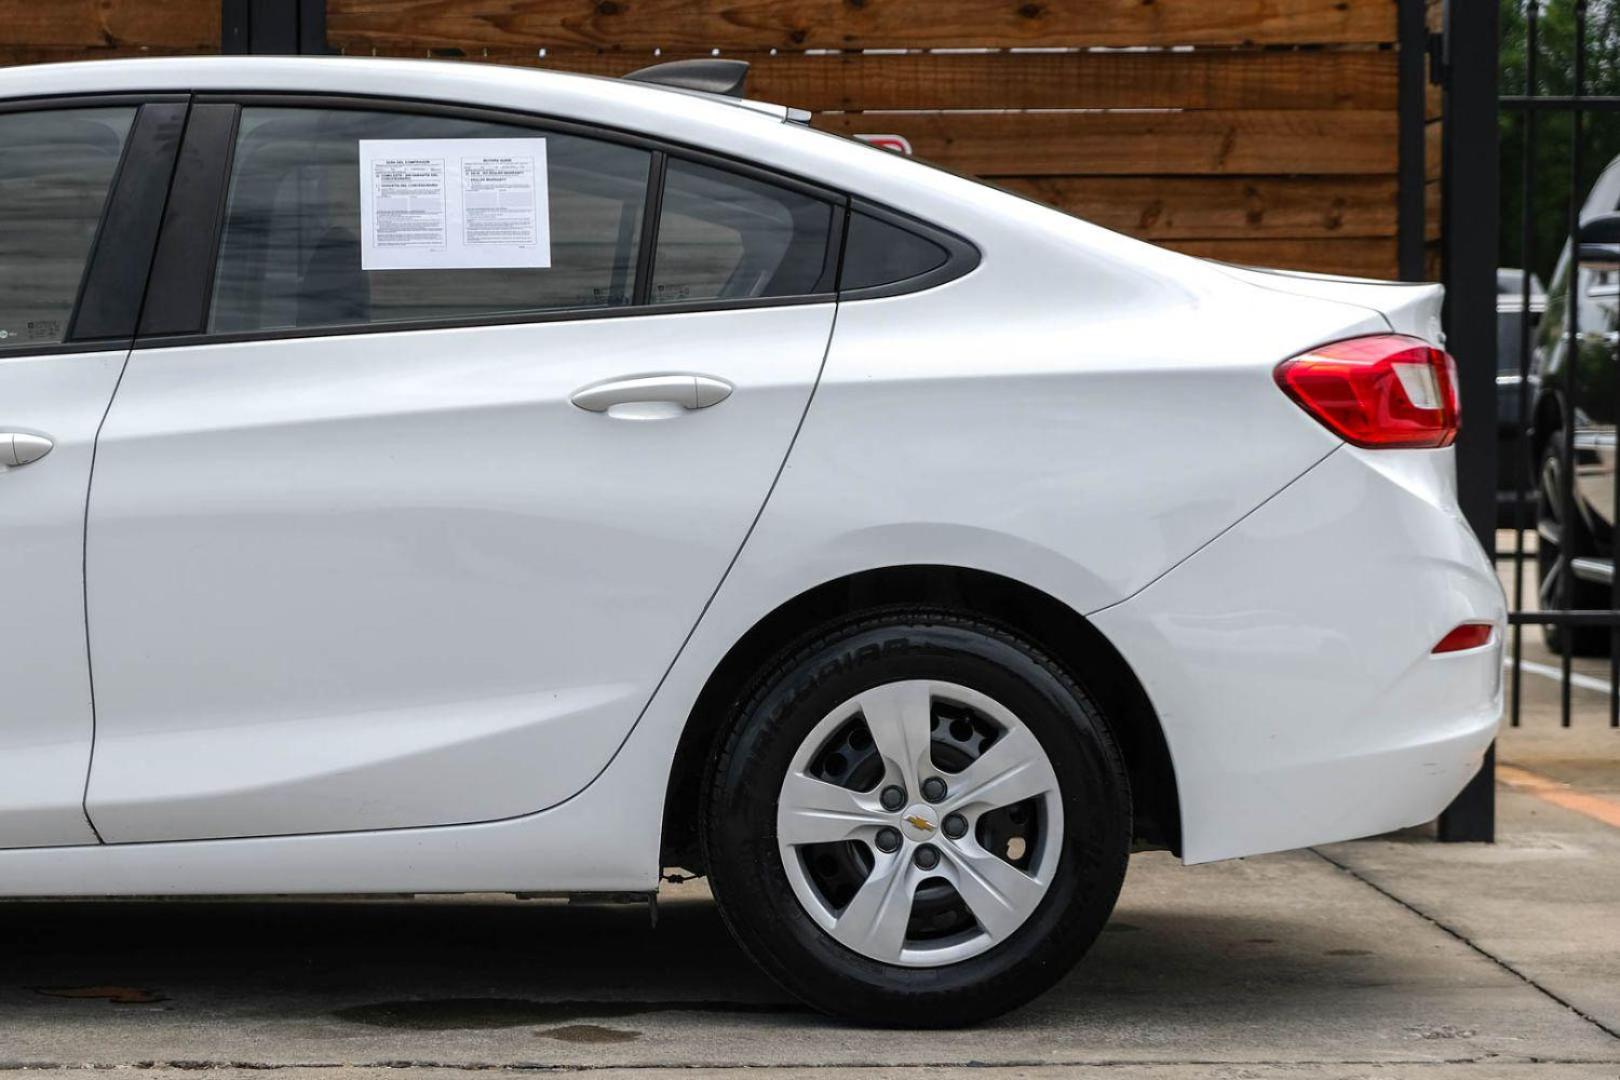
[1555, 543]
[738, 823]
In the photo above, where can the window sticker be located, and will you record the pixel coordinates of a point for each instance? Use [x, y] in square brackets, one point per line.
[453, 204]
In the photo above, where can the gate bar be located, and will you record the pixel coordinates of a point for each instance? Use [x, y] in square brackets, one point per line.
[1572, 310]
[1524, 472]
[1471, 252]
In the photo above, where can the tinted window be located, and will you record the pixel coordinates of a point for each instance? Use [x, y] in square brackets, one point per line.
[725, 236]
[54, 177]
[879, 253]
[291, 252]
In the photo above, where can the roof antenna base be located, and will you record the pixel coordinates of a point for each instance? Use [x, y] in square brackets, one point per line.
[707, 76]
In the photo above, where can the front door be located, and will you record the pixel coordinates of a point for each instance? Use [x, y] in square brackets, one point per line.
[382, 547]
[59, 361]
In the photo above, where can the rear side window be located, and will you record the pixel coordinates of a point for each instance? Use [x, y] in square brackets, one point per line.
[290, 256]
[724, 236]
[55, 173]
[881, 253]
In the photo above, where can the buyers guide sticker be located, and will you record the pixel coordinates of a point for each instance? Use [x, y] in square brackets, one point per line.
[453, 204]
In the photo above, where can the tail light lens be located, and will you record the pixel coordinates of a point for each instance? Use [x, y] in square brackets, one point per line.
[1383, 392]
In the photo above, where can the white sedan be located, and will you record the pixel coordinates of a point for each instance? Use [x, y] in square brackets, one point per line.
[427, 478]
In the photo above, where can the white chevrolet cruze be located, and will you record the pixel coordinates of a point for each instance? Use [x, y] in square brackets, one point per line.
[427, 478]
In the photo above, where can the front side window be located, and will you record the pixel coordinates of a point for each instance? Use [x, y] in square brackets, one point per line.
[55, 173]
[452, 222]
[723, 236]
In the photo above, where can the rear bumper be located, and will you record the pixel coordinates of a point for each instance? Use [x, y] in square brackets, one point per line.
[1290, 659]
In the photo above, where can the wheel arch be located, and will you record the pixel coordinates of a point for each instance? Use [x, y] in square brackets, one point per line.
[1057, 628]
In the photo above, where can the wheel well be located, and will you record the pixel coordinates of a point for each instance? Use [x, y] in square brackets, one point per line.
[1056, 628]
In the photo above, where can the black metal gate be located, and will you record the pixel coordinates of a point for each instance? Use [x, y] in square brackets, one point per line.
[1557, 397]
[1550, 392]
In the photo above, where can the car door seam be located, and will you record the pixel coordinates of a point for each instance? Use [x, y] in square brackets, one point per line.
[90, 481]
[680, 650]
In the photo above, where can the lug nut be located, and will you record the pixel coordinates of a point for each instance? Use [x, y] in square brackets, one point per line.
[933, 789]
[893, 798]
[887, 840]
[927, 857]
[954, 826]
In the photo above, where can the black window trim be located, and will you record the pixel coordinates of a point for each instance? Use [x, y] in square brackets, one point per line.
[964, 255]
[193, 224]
[102, 246]
[651, 219]
[113, 289]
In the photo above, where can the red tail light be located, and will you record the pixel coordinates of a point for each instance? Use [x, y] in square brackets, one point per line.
[1383, 392]
[1467, 636]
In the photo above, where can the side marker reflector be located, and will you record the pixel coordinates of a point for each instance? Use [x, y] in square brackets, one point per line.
[1466, 636]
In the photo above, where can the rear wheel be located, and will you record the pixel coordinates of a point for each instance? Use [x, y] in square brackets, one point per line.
[918, 819]
[1558, 542]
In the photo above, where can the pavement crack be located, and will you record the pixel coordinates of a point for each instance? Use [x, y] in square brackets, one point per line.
[1460, 936]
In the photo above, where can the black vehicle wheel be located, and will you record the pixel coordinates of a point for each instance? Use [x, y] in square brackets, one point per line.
[917, 819]
[1557, 542]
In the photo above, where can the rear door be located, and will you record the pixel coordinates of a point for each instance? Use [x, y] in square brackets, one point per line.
[82, 183]
[398, 521]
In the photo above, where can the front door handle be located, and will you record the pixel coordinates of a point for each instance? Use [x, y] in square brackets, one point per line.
[686, 391]
[22, 448]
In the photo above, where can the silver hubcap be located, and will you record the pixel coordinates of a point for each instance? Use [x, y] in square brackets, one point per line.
[982, 886]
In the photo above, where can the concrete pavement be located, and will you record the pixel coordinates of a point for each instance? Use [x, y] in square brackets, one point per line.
[1387, 958]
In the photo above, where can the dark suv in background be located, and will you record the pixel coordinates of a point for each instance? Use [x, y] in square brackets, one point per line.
[1575, 543]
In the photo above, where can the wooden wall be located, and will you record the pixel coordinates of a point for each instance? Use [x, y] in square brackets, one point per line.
[1258, 131]
[43, 31]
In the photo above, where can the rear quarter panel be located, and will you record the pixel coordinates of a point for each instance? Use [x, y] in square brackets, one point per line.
[1078, 421]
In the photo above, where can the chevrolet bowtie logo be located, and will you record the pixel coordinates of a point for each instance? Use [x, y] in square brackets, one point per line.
[922, 823]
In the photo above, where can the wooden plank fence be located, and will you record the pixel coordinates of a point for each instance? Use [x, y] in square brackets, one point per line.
[1259, 131]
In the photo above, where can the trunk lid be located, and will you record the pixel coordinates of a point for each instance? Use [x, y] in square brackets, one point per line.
[1409, 308]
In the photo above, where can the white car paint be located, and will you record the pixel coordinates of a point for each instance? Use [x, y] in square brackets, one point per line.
[46, 725]
[1409, 307]
[1305, 703]
[314, 597]
[1089, 415]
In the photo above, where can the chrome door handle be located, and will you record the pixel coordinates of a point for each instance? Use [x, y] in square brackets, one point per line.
[687, 391]
[22, 448]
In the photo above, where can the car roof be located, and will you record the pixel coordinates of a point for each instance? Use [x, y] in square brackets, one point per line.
[589, 97]
[751, 131]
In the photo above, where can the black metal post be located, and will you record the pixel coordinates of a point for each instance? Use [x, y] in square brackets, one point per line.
[1471, 192]
[1471, 817]
[1524, 472]
[273, 27]
[1572, 311]
[1411, 213]
[312, 27]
